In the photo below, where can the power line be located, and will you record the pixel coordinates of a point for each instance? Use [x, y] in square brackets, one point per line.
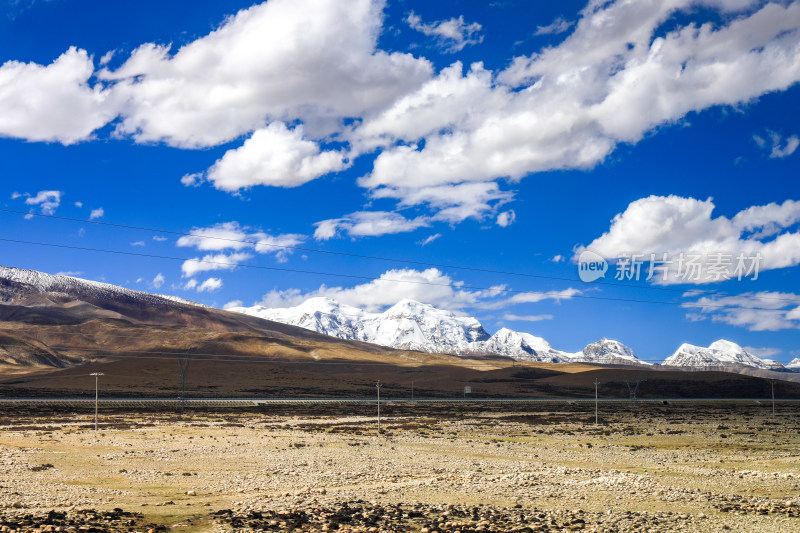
[357, 276]
[349, 254]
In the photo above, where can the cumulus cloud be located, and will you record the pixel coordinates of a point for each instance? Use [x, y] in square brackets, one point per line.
[367, 224]
[210, 285]
[233, 236]
[430, 286]
[291, 73]
[53, 103]
[97, 213]
[210, 262]
[506, 218]
[47, 201]
[675, 225]
[275, 156]
[452, 35]
[611, 81]
[755, 311]
[158, 281]
[777, 145]
[281, 60]
[232, 304]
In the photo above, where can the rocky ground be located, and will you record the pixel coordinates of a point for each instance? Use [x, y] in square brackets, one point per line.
[645, 467]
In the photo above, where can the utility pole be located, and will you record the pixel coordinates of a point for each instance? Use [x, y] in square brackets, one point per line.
[96, 395]
[378, 386]
[595, 401]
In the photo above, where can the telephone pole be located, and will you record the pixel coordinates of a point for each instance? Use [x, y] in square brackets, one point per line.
[378, 386]
[96, 395]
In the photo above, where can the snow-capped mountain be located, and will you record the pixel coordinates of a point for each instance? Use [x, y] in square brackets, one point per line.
[407, 325]
[521, 346]
[21, 283]
[794, 364]
[412, 325]
[609, 352]
[720, 353]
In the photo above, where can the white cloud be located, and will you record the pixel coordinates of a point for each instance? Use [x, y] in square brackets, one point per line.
[79, 204]
[53, 102]
[104, 60]
[281, 60]
[210, 262]
[756, 311]
[430, 286]
[527, 318]
[210, 285]
[158, 281]
[158, 238]
[96, 213]
[137, 243]
[452, 34]
[15, 195]
[763, 352]
[612, 80]
[232, 304]
[558, 258]
[48, 201]
[222, 236]
[193, 180]
[190, 285]
[451, 203]
[275, 156]
[675, 225]
[506, 218]
[367, 224]
[557, 26]
[71, 273]
[232, 236]
[429, 239]
[540, 296]
[779, 148]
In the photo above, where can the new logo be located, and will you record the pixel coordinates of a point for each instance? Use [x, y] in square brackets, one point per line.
[591, 266]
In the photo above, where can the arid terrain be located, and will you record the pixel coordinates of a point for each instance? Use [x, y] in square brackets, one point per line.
[710, 466]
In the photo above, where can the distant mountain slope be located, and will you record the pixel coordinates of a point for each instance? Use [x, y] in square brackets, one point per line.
[80, 320]
[608, 352]
[719, 353]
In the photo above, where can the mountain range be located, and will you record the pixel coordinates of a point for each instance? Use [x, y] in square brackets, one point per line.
[99, 313]
[413, 325]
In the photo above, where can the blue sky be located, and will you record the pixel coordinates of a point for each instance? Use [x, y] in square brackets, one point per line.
[505, 138]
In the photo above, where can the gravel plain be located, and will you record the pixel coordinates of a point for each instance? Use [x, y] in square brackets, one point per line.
[645, 467]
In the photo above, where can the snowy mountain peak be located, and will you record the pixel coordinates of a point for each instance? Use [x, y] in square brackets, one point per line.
[608, 351]
[413, 325]
[794, 363]
[719, 353]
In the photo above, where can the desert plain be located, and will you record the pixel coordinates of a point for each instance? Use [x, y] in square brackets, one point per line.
[646, 466]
